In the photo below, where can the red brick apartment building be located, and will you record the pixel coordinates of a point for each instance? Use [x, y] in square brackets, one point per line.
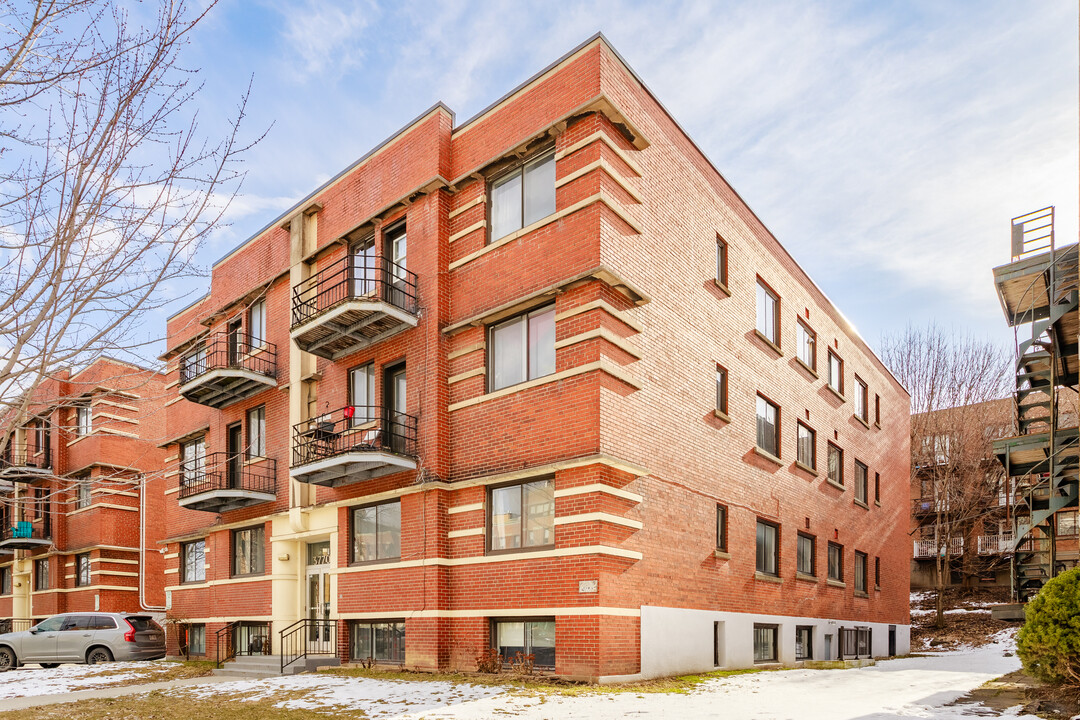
[540, 382]
[81, 468]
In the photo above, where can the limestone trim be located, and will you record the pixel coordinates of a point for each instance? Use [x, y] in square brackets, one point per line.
[469, 349]
[604, 334]
[603, 137]
[465, 375]
[464, 508]
[605, 166]
[467, 206]
[468, 532]
[607, 307]
[600, 488]
[600, 365]
[501, 612]
[599, 517]
[468, 231]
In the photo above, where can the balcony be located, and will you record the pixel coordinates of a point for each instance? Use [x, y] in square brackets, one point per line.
[996, 544]
[24, 462]
[352, 444]
[227, 368]
[351, 304]
[224, 481]
[929, 548]
[24, 535]
[928, 506]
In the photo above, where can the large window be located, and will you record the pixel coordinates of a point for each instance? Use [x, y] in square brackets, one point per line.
[196, 639]
[82, 569]
[862, 400]
[768, 313]
[257, 323]
[376, 532]
[523, 348]
[192, 462]
[768, 426]
[806, 562]
[768, 548]
[522, 196]
[256, 427]
[804, 642]
[860, 571]
[528, 637]
[362, 393]
[721, 389]
[806, 446]
[193, 561]
[721, 262]
[807, 342]
[765, 643]
[721, 528]
[41, 574]
[836, 464]
[522, 516]
[861, 482]
[249, 551]
[84, 420]
[379, 641]
[836, 372]
[836, 562]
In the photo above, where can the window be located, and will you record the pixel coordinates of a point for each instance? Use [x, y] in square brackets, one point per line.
[41, 574]
[379, 641]
[5, 580]
[528, 637]
[362, 393]
[836, 464]
[721, 262]
[768, 313]
[861, 401]
[806, 446]
[768, 426]
[877, 488]
[718, 644]
[860, 571]
[877, 573]
[806, 562]
[768, 548]
[193, 561]
[84, 420]
[836, 562]
[522, 516]
[861, 475]
[804, 642]
[82, 569]
[721, 528]
[877, 410]
[376, 532]
[196, 639]
[193, 462]
[807, 342]
[396, 243]
[1066, 522]
[249, 551]
[765, 643]
[522, 196]
[82, 492]
[836, 372]
[721, 389]
[257, 324]
[523, 348]
[256, 427]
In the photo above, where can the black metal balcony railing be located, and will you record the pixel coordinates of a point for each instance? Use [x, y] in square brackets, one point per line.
[226, 471]
[928, 506]
[229, 350]
[24, 531]
[354, 277]
[26, 455]
[354, 428]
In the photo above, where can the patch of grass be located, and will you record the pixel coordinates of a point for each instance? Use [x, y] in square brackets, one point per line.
[159, 706]
[171, 671]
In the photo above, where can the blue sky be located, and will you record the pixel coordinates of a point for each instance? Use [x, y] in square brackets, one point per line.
[886, 144]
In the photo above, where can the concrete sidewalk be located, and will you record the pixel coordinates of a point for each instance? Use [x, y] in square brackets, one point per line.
[22, 703]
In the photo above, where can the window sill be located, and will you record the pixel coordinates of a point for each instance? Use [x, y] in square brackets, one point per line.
[861, 504]
[767, 578]
[877, 503]
[807, 368]
[836, 583]
[862, 422]
[806, 578]
[246, 575]
[379, 561]
[772, 346]
[836, 392]
[861, 594]
[877, 425]
[806, 468]
[768, 456]
[515, 551]
[254, 460]
[722, 415]
[838, 486]
[723, 288]
[877, 588]
[722, 554]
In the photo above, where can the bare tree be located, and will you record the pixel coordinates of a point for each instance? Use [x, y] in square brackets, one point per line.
[959, 387]
[108, 186]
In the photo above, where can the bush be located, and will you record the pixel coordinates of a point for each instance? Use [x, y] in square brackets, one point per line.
[1049, 641]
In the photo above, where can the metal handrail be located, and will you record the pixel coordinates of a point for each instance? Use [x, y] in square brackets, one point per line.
[308, 636]
[354, 277]
[227, 471]
[354, 428]
[932, 547]
[230, 649]
[26, 454]
[232, 350]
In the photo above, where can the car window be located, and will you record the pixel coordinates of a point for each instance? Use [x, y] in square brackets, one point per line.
[102, 622]
[142, 622]
[76, 622]
[51, 625]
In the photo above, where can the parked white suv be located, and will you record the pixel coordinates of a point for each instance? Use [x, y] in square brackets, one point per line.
[84, 638]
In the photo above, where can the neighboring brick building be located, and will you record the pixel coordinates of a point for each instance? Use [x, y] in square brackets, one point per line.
[491, 386]
[74, 471]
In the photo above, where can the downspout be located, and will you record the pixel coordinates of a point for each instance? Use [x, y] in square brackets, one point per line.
[142, 556]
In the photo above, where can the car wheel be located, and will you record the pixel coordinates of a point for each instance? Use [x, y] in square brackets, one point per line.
[49, 666]
[98, 655]
[7, 659]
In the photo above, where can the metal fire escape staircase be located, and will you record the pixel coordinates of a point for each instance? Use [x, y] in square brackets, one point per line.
[1039, 293]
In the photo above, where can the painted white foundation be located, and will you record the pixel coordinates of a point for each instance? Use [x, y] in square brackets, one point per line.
[677, 641]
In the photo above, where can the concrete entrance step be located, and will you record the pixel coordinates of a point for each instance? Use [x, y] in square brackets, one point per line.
[259, 666]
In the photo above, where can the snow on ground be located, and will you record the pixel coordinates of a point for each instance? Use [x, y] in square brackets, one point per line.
[33, 680]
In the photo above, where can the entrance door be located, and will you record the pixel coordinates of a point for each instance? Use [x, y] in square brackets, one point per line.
[234, 444]
[233, 330]
[318, 599]
[394, 390]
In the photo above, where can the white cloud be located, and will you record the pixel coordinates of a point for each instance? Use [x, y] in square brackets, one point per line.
[326, 38]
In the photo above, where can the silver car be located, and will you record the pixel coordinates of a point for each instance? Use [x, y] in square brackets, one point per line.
[84, 638]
